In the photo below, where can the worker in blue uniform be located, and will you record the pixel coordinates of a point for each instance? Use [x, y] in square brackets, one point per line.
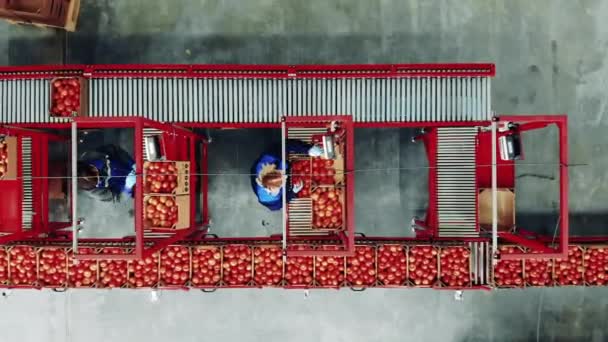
[268, 172]
[107, 173]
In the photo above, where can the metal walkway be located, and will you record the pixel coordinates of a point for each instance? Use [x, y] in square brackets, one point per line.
[261, 100]
[456, 188]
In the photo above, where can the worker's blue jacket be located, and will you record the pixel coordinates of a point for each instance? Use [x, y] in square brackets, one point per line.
[119, 178]
[265, 197]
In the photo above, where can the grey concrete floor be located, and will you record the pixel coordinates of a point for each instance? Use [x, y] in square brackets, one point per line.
[551, 57]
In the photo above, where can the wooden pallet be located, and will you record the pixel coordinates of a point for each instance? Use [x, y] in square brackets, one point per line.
[51, 13]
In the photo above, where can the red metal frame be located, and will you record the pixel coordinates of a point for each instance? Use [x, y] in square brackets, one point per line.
[530, 122]
[252, 71]
[347, 237]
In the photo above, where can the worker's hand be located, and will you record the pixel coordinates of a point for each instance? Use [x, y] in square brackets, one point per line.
[131, 179]
[315, 151]
[299, 185]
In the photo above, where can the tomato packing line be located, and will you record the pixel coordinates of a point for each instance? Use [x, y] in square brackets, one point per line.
[471, 153]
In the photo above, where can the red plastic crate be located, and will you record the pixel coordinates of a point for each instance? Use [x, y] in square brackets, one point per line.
[113, 273]
[454, 267]
[52, 267]
[299, 271]
[392, 265]
[330, 271]
[83, 273]
[361, 269]
[175, 268]
[509, 273]
[22, 266]
[268, 265]
[145, 272]
[237, 264]
[206, 266]
[423, 265]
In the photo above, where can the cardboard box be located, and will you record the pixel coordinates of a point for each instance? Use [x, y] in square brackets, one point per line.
[506, 208]
[11, 161]
[182, 202]
[183, 178]
[83, 109]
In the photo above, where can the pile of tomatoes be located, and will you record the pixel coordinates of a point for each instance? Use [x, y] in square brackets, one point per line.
[508, 273]
[326, 208]
[299, 269]
[329, 270]
[65, 97]
[570, 271]
[160, 177]
[3, 266]
[112, 273]
[23, 265]
[423, 265]
[300, 171]
[454, 262]
[175, 265]
[322, 171]
[237, 264]
[392, 265]
[84, 272]
[3, 158]
[144, 273]
[361, 268]
[161, 212]
[596, 265]
[52, 267]
[538, 272]
[206, 266]
[268, 265]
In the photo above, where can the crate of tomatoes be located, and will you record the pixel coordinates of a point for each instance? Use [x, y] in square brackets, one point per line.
[392, 265]
[330, 271]
[299, 270]
[23, 264]
[570, 270]
[595, 262]
[167, 177]
[68, 97]
[328, 208]
[175, 268]
[454, 267]
[113, 273]
[206, 266]
[166, 212]
[362, 268]
[3, 266]
[83, 273]
[52, 267]
[8, 157]
[268, 265]
[423, 265]
[509, 273]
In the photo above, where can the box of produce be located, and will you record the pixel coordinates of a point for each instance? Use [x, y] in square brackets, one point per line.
[570, 270]
[175, 268]
[113, 273]
[52, 267]
[145, 272]
[83, 273]
[167, 177]
[206, 266]
[392, 265]
[268, 265]
[538, 272]
[8, 158]
[329, 271]
[68, 97]
[595, 262]
[454, 267]
[3, 266]
[166, 212]
[423, 265]
[327, 208]
[299, 271]
[23, 262]
[509, 273]
[361, 269]
[237, 264]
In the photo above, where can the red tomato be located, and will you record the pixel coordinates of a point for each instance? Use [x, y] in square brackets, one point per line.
[361, 268]
[423, 265]
[454, 263]
[206, 266]
[268, 265]
[299, 270]
[83, 273]
[176, 261]
[113, 273]
[237, 264]
[329, 270]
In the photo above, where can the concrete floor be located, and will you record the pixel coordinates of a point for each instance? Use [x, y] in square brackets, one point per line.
[551, 57]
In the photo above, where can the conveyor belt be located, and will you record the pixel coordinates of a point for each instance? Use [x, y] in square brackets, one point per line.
[261, 100]
[456, 188]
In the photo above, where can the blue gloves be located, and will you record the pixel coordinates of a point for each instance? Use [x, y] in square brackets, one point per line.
[315, 151]
[131, 179]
